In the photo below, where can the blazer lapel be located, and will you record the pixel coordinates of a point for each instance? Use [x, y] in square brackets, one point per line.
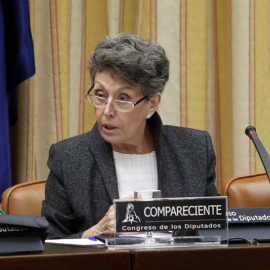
[102, 152]
[165, 158]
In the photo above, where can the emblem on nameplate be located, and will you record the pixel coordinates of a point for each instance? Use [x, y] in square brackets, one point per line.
[131, 215]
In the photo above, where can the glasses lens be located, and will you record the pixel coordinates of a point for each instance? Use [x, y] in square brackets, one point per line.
[100, 102]
[97, 101]
[123, 106]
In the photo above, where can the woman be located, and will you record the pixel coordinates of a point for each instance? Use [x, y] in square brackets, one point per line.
[128, 148]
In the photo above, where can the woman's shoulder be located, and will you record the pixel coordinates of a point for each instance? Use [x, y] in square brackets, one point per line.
[186, 138]
[75, 141]
[79, 142]
[183, 132]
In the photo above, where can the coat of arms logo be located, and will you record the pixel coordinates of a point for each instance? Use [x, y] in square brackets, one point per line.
[131, 215]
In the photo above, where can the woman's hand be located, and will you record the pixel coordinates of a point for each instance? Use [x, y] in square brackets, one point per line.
[106, 224]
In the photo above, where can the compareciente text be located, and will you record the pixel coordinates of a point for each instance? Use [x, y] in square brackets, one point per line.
[187, 210]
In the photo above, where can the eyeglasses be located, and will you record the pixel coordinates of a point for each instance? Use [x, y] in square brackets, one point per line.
[118, 105]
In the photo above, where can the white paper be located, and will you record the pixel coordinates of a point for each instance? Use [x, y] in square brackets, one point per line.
[75, 242]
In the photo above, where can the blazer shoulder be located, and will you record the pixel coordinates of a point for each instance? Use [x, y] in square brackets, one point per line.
[184, 132]
[186, 138]
[75, 142]
[76, 146]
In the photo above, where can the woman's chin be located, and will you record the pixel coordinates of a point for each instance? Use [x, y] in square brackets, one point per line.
[110, 137]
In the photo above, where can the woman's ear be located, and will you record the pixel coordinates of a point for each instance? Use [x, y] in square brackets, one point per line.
[154, 102]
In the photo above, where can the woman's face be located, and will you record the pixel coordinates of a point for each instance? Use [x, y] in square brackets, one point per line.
[121, 129]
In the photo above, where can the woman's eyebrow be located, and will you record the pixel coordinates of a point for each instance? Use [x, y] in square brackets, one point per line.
[97, 82]
[126, 87]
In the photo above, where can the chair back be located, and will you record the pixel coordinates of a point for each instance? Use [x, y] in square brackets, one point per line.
[251, 190]
[24, 199]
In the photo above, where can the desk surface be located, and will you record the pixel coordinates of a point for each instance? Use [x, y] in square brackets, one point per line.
[64, 257]
[232, 257]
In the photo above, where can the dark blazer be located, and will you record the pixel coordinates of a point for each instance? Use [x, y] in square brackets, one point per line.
[82, 181]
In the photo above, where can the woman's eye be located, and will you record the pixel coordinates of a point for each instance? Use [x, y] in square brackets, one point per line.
[124, 98]
[99, 94]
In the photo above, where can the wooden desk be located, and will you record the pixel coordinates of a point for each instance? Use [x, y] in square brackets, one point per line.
[67, 258]
[63, 257]
[232, 257]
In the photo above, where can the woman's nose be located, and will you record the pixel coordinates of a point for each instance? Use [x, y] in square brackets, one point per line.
[109, 109]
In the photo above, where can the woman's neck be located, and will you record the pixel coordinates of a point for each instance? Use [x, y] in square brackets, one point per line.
[145, 146]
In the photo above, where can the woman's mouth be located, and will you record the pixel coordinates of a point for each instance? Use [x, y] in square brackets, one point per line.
[109, 128]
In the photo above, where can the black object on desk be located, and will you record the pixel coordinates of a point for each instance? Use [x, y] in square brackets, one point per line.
[249, 224]
[246, 225]
[20, 234]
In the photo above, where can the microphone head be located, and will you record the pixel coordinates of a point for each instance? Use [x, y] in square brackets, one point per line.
[250, 130]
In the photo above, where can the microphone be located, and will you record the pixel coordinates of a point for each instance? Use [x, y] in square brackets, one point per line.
[251, 133]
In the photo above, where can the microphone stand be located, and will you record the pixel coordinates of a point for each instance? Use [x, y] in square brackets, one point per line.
[251, 133]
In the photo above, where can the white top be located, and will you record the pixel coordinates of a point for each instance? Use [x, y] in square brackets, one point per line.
[135, 172]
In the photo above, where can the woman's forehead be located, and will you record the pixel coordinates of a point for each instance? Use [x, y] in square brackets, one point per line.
[106, 80]
[110, 76]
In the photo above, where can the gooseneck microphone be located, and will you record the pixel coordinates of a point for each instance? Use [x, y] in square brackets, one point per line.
[251, 133]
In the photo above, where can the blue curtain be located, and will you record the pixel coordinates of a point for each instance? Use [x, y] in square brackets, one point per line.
[16, 65]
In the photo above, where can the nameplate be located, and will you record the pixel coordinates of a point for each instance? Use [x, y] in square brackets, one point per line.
[248, 215]
[203, 213]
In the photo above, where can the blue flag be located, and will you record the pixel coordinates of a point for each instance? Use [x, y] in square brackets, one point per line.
[16, 65]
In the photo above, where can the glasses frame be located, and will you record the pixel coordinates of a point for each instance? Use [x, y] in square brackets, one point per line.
[133, 104]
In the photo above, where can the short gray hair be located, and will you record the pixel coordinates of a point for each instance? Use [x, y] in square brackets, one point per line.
[133, 60]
